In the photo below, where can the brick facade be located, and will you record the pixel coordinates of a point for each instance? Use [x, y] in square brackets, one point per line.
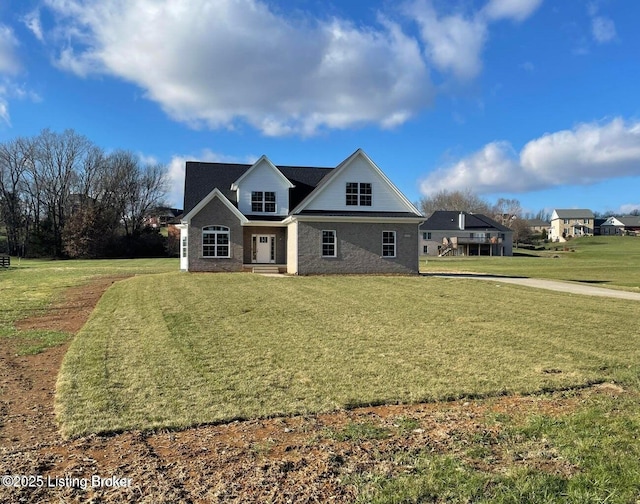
[359, 249]
[215, 213]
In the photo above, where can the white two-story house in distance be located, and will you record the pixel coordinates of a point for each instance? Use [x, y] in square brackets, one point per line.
[571, 223]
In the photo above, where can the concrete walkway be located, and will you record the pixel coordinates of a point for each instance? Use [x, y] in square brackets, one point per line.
[538, 283]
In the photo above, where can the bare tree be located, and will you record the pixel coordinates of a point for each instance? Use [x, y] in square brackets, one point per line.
[58, 159]
[463, 201]
[59, 179]
[506, 210]
[135, 189]
[543, 215]
[15, 158]
[521, 231]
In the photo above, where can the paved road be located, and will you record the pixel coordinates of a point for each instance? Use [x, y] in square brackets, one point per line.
[573, 288]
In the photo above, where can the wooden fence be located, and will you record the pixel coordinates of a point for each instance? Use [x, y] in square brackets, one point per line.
[5, 261]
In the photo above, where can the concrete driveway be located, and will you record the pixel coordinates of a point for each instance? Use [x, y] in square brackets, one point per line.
[538, 283]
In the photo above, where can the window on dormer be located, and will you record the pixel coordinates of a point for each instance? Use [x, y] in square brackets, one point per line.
[263, 201]
[358, 194]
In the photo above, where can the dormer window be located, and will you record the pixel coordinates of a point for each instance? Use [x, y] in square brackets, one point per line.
[358, 194]
[263, 201]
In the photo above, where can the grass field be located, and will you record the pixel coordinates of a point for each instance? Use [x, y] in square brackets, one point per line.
[167, 349]
[607, 261]
[29, 287]
[174, 350]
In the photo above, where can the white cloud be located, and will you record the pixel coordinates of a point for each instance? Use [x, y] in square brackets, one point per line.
[224, 62]
[586, 154]
[516, 10]
[9, 63]
[32, 21]
[4, 111]
[628, 208]
[9, 67]
[489, 170]
[228, 63]
[603, 29]
[527, 66]
[454, 43]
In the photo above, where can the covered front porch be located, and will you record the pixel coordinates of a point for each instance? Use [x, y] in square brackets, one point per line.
[265, 248]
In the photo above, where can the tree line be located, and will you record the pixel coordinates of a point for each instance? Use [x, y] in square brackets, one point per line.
[63, 196]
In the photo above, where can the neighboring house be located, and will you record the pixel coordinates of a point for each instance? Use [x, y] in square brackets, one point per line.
[161, 216]
[299, 220]
[571, 223]
[627, 225]
[538, 227]
[464, 234]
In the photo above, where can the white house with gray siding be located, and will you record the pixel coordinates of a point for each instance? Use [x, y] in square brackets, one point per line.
[299, 220]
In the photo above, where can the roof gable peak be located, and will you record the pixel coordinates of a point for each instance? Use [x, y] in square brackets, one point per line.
[255, 166]
[336, 173]
[215, 193]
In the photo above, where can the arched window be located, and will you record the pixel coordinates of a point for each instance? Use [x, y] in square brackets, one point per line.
[215, 241]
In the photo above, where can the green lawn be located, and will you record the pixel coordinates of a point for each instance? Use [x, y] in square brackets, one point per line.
[28, 287]
[607, 261]
[168, 349]
[173, 350]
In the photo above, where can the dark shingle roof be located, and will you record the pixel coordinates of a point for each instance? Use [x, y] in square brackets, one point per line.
[574, 213]
[630, 220]
[446, 220]
[305, 179]
[202, 178]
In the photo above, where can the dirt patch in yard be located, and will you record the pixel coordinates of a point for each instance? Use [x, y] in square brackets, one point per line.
[293, 459]
[71, 312]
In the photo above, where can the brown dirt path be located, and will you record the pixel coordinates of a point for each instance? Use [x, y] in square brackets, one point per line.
[293, 459]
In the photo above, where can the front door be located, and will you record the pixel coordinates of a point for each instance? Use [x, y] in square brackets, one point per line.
[264, 248]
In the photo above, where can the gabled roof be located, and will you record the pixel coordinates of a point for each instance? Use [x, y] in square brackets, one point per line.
[201, 178]
[216, 193]
[574, 213]
[268, 162]
[304, 181]
[630, 220]
[447, 220]
[326, 182]
[626, 221]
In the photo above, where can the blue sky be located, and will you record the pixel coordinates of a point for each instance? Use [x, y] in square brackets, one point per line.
[530, 99]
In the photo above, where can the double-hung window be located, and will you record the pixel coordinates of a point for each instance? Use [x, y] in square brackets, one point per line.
[215, 241]
[329, 243]
[358, 194]
[263, 201]
[388, 244]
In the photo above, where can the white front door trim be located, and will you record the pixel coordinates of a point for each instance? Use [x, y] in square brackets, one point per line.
[263, 248]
